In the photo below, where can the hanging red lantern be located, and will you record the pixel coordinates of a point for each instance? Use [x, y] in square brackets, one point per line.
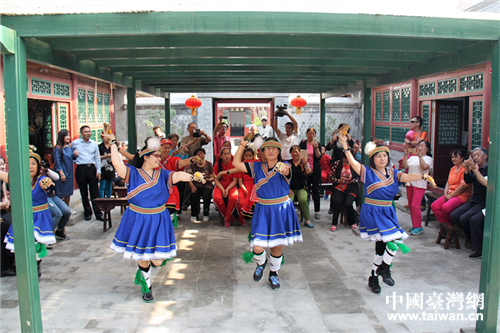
[193, 103]
[298, 102]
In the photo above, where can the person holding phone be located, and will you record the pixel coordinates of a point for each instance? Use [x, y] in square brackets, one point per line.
[313, 148]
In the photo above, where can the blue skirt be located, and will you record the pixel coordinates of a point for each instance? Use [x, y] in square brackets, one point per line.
[275, 225]
[145, 236]
[378, 223]
[42, 222]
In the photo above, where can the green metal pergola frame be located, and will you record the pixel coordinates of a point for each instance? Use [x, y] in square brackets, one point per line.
[164, 52]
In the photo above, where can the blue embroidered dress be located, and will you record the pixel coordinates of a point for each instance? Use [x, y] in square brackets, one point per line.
[146, 231]
[274, 220]
[377, 220]
[42, 219]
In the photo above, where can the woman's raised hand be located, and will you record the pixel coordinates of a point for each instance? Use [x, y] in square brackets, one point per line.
[109, 136]
[343, 138]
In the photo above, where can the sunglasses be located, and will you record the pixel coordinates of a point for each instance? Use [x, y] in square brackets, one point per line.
[413, 121]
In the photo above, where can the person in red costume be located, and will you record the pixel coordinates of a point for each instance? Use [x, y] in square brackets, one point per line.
[225, 186]
[172, 163]
[246, 183]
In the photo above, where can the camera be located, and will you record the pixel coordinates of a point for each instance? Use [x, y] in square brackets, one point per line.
[280, 112]
[196, 133]
[223, 117]
[45, 164]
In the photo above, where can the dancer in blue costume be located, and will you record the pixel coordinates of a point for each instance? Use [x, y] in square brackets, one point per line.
[274, 222]
[377, 220]
[42, 219]
[146, 233]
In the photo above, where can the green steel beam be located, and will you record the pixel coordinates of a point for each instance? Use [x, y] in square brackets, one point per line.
[367, 122]
[7, 40]
[470, 55]
[263, 73]
[251, 22]
[490, 268]
[322, 121]
[350, 87]
[131, 125]
[167, 116]
[16, 118]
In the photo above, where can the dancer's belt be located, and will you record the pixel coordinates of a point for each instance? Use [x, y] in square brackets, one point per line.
[142, 210]
[377, 202]
[40, 208]
[274, 201]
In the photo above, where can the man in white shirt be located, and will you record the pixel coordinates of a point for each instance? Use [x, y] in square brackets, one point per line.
[265, 130]
[289, 138]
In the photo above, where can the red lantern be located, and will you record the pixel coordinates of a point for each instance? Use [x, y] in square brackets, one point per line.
[298, 102]
[193, 103]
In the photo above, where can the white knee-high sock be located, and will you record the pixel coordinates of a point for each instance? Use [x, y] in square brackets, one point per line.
[377, 261]
[388, 256]
[146, 273]
[275, 263]
[260, 258]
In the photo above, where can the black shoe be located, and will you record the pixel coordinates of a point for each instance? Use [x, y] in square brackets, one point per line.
[8, 272]
[148, 297]
[184, 208]
[274, 282]
[87, 218]
[385, 271]
[99, 218]
[259, 272]
[330, 212]
[476, 255]
[373, 284]
[61, 235]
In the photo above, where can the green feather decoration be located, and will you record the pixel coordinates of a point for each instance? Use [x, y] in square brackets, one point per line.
[175, 222]
[249, 236]
[282, 259]
[404, 248]
[247, 256]
[141, 281]
[391, 246]
[41, 250]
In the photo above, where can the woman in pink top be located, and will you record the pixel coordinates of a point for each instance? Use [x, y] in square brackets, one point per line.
[456, 192]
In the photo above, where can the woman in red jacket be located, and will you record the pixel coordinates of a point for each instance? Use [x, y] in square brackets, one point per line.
[225, 186]
[245, 183]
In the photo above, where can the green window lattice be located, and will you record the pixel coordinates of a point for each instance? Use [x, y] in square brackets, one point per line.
[405, 104]
[477, 124]
[41, 87]
[427, 89]
[398, 134]
[447, 86]
[61, 90]
[82, 115]
[386, 107]
[396, 108]
[106, 108]
[383, 133]
[471, 82]
[449, 124]
[378, 107]
[90, 103]
[100, 108]
[63, 117]
[48, 128]
[425, 116]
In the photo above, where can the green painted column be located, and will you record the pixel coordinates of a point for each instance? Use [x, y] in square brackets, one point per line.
[490, 266]
[167, 116]
[132, 127]
[367, 122]
[16, 105]
[322, 120]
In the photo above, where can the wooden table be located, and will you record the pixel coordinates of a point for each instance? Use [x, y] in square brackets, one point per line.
[106, 205]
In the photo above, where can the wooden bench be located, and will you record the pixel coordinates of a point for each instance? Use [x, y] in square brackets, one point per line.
[120, 192]
[106, 205]
[431, 197]
[450, 234]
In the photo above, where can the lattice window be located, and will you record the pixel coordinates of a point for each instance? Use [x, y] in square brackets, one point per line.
[63, 117]
[100, 108]
[90, 103]
[398, 134]
[82, 115]
[248, 118]
[47, 123]
[471, 82]
[61, 90]
[106, 108]
[477, 123]
[449, 124]
[386, 107]
[447, 86]
[396, 107]
[93, 135]
[427, 89]
[378, 107]
[41, 87]
[426, 111]
[383, 133]
[405, 104]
